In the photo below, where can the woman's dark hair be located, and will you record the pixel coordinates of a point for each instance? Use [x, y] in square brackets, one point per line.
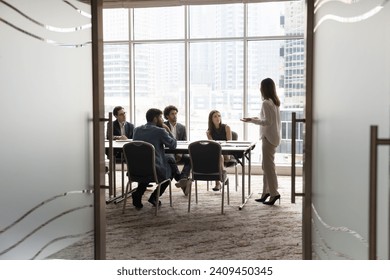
[152, 113]
[168, 109]
[268, 91]
[211, 124]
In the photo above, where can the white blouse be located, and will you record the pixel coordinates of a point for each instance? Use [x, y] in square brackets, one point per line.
[269, 122]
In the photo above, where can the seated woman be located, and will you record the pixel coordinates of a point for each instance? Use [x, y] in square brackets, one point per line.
[219, 132]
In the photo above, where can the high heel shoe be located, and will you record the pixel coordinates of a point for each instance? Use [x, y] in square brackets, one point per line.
[263, 198]
[272, 200]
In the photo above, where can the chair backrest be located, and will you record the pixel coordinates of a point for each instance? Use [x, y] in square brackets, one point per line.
[140, 160]
[235, 138]
[205, 158]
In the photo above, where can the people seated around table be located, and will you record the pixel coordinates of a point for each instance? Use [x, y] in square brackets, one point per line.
[158, 134]
[179, 132]
[219, 132]
[121, 129]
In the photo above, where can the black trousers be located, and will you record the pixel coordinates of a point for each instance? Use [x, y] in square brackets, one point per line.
[142, 188]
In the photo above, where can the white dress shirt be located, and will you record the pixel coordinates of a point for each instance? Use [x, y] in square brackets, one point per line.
[173, 130]
[122, 126]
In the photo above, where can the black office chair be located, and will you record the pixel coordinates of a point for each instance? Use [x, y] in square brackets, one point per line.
[233, 161]
[205, 158]
[141, 167]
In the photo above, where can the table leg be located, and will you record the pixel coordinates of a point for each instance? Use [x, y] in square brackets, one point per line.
[249, 172]
[123, 174]
[243, 178]
[113, 195]
[245, 199]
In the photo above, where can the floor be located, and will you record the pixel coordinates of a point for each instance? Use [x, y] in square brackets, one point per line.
[256, 232]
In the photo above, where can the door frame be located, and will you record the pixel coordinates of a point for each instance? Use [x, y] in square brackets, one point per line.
[307, 169]
[98, 130]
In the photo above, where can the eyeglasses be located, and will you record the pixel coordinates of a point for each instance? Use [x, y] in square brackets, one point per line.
[122, 114]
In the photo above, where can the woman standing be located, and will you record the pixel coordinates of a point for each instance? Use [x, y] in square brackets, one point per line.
[269, 122]
[219, 132]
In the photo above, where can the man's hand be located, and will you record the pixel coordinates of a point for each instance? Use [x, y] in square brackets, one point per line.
[122, 137]
[166, 127]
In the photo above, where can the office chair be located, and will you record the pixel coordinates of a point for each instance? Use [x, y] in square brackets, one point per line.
[205, 158]
[141, 167]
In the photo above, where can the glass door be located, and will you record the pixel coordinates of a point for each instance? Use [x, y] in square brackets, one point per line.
[47, 195]
[351, 92]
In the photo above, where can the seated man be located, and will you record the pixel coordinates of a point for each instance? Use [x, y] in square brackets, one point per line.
[121, 129]
[156, 133]
[179, 132]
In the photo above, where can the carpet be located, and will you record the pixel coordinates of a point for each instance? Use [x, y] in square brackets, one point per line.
[257, 232]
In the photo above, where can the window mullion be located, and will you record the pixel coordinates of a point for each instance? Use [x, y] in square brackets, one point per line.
[131, 66]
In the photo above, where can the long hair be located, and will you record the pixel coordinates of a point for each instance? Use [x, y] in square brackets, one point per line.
[268, 91]
[211, 124]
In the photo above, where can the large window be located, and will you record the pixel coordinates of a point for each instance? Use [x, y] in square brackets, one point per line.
[205, 57]
[216, 82]
[159, 77]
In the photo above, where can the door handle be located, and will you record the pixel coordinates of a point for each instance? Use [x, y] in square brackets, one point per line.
[293, 153]
[372, 232]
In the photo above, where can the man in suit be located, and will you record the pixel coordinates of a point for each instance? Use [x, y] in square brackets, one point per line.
[179, 132]
[121, 129]
[158, 134]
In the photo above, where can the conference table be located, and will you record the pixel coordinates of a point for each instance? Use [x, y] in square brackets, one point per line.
[241, 150]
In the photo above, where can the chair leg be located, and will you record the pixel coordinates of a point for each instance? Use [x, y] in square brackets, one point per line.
[223, 197]
[228, 195]
[170, 193]
[123, 171]
[189, 197]
[157, 197]
[196, 192]
[125, 198]
[236, 176]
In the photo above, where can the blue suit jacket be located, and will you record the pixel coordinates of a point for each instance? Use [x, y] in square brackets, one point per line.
[159, 138]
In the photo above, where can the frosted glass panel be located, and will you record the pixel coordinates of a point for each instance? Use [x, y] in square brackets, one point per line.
[351, 92]
[46, 200]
